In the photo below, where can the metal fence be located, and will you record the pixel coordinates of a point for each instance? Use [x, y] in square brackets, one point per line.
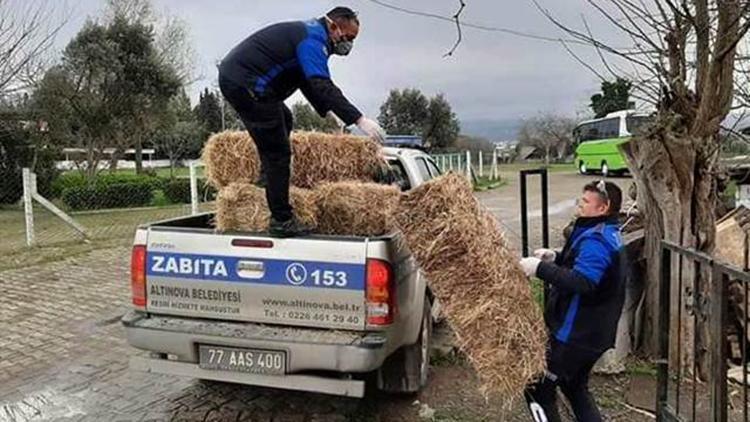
[39, 225]
[694, 291]
[479, 164]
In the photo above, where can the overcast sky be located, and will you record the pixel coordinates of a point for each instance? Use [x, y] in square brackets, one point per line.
[492, 75]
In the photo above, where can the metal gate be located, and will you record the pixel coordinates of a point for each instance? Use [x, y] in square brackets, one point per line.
[681, 396]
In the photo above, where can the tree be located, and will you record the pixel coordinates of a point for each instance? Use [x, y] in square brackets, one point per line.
[684, 58]
[27, 34]
[615, 96]
[305, 118]
[441, 127]
[108, 89]
[179, 134]
[409, 112]
[208, 111]
[404, 112]
[148, 76]
[19, 149]
[474, 144]
[173, 43]
[551, 133]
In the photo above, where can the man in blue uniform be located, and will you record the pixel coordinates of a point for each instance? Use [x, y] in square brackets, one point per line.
[584, 295]
[269, 66]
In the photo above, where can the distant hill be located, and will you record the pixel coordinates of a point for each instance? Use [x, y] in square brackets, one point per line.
[494, 130]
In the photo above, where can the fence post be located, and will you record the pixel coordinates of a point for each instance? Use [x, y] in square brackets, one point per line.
[450, 162]
[193, 189]
[468, 165]
[717, 340]
[662, 363]
[481, 164]
[494, 165]
[28, 206]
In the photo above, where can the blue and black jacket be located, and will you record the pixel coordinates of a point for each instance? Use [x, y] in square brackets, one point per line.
[585, 286]
[278, 60]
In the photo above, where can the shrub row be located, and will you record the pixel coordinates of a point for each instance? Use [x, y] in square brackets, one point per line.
[124, 191]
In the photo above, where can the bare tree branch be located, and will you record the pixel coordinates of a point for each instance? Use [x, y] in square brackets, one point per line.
[27, 33]
[457, 17]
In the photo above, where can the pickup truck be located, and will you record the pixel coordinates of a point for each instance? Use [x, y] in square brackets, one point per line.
[317, 313]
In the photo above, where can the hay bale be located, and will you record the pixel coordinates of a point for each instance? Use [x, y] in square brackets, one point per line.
[355, 208]
[243, 207]
[319, 157]
[231, 157]
[485, 295]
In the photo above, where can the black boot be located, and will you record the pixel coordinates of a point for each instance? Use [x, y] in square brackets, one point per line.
[288, 228]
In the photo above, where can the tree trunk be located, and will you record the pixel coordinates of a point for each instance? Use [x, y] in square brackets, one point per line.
[114, 159]
[674, 182]
[138, 154]
[92, 162]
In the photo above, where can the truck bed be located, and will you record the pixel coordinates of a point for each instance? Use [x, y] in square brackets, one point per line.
[204, 223]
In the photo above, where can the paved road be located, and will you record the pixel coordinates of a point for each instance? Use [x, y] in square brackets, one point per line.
[63, 355]
[564, 189]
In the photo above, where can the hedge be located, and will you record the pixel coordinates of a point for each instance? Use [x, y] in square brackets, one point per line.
[77, 180]
[177, 191]
[118, 195]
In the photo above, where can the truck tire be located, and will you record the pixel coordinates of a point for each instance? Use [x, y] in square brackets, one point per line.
[582, 168]
[407, 369]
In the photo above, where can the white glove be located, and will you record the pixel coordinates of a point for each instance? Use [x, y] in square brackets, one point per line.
[546, 255]
[371, 129]
[530, 265]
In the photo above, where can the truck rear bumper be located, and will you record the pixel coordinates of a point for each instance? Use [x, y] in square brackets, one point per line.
[317, 384]
[306, 349]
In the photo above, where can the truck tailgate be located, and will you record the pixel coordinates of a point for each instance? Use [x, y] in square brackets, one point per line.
[300, 281]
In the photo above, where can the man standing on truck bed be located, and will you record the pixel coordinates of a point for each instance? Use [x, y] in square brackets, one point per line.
[269, 66]
[584, 295]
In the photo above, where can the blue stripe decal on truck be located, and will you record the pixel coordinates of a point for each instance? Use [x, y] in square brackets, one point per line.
[276, 272]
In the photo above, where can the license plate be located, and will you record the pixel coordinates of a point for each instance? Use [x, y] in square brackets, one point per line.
[255, 361]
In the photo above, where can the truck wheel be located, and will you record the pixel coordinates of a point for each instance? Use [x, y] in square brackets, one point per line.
[605, 169]
[407, 369]
[582, 168]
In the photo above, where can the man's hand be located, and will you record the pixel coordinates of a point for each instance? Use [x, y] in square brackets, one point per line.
[530, 265]
[546, 255]
[371, 129]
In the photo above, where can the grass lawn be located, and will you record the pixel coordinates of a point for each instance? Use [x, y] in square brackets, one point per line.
[552, 168]
[484, 183]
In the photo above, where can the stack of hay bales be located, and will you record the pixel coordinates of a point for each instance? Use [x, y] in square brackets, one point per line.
[231, 157]
[354, 208]
[243, 207]
[317, 158]
[332, 184]
[486, 297]
[341, 208]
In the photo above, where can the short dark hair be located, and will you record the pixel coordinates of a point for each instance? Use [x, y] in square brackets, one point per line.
[611, 193]
[342, 13]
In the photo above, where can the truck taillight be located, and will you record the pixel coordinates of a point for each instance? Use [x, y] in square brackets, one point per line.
[381, 293]
[138, 275]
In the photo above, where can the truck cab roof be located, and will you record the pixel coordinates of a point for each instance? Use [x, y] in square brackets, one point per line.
[393, 152]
